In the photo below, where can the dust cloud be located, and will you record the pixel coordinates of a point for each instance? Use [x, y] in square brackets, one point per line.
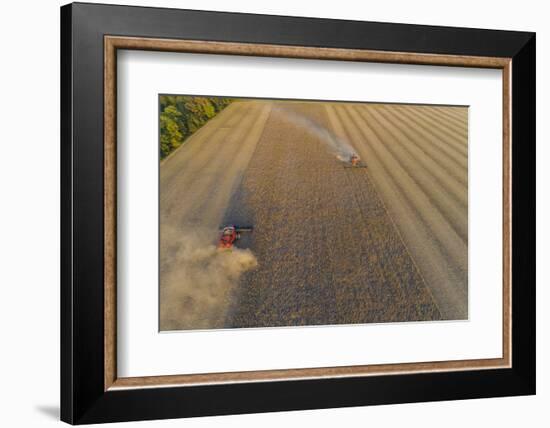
[335, 145]
[198, 281]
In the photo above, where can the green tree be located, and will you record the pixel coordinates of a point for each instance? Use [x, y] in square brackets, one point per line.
[170, 134]
[182, 115]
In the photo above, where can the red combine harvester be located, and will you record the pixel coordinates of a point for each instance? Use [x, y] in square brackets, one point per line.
[230, 235]
[355, 162]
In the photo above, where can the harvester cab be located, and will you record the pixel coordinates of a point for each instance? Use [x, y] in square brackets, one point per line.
[355, 162]
[230, 234]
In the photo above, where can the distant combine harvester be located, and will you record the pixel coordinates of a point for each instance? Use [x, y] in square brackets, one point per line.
[355, 162]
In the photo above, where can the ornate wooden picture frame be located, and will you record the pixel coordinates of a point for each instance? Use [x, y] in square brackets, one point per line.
[91, 389]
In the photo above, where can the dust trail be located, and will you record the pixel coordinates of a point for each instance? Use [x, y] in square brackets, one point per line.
[198, 281]
[340, 148]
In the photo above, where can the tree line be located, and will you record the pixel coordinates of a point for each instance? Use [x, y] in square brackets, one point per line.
[182, 115]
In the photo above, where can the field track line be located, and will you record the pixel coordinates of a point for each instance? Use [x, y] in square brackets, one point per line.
[439, 136]
[234, 169]
[203, 161]
[457, 118]
[457, 142]
[432, 146]
[194, 142]
[428, 191]
[451, 121]
[428, 165]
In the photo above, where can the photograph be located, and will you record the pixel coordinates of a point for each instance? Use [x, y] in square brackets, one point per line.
[293, 213]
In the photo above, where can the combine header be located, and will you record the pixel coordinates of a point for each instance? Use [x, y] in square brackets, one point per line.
[230, 235]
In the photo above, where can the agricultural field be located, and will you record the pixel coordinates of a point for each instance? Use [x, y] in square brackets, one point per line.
[331, 244]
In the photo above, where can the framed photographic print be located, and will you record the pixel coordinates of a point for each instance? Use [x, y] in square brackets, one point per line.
[265, 213]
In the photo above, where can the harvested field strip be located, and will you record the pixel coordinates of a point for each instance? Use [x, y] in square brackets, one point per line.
[210, 172]
[228, 146]
[232, 174]
[440, 128]
[462, 114]
[193, 144]
[456, 116]
[431, 135]
[451, 115]
[439, 252]
[183, 169]
[423, 163]
[430, 146]
[457, 128]
[203, 160]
